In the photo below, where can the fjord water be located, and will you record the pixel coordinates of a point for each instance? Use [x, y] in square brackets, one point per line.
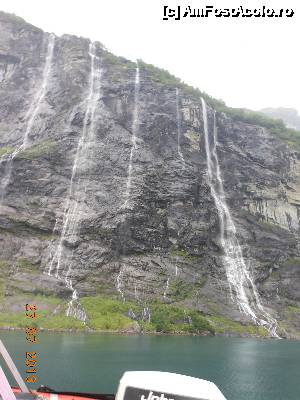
[244, 369]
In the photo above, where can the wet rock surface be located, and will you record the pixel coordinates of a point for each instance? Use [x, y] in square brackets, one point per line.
[165, 244]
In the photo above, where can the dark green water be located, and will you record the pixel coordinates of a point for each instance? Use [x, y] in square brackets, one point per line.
[244, 369]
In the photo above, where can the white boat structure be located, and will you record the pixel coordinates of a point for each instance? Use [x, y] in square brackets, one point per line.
[156, 385]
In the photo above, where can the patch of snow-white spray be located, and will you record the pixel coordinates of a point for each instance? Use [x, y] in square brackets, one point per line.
[238, 275]
[60, 263]
[30, 118]
[134, 129]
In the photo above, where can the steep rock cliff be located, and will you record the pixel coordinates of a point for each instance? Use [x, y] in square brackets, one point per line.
[164, 244]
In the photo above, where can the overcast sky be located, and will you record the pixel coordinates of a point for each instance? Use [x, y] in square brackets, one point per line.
[249, 62]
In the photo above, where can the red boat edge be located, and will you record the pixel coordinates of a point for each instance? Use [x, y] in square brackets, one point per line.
[50, 394]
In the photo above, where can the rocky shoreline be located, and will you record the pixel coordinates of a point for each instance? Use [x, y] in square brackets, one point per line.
[91, 331]
[132, 333]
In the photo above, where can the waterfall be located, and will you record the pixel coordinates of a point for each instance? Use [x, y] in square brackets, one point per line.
[146, 314]
[134, 129]
[72, 211]
[238, 275]
[178, 117]
[135, 292]
[30, 118]
[177, 270]
[60, 262]
[167, 288]
[75, 309]
[119, 283]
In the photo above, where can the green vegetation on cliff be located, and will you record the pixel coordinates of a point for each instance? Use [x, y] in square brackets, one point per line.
[38, 150]
[291, 312]
[106, 313]
[170, 319]
[113, 315]
[275, 126]
[50, 313]
[6, 150]
[224, 325]
[103, 314]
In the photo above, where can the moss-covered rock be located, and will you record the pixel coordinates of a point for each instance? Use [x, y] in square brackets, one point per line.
[38, 150]
[6, 150]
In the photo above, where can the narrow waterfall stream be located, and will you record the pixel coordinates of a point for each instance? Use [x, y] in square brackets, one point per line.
[178, 117]
[166, 288]
[60, 260]
[242, 287]
[134, 129]
[119, 284]
[134, 133]
[30, 118]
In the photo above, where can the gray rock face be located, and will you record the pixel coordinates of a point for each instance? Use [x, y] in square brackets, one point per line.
[165, 245]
